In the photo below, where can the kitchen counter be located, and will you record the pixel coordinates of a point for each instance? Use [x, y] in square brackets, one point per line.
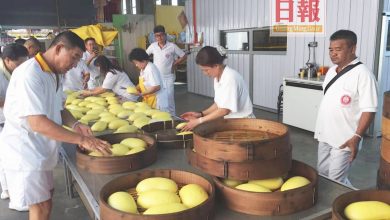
[305, 80]
[301, 100]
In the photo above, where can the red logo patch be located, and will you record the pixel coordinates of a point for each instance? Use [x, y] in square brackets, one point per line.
[346, 99]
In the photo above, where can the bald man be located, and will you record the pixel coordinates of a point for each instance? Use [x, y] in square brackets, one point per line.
[33, 46]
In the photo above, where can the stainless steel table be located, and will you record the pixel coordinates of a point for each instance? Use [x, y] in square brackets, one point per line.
[88, 186]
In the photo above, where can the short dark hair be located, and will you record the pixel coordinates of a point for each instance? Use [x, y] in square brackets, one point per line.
[69, 39]
[88, 39]
[20, 41]
[159, 29]
[138, 54]
[209, 56]
[105, 65]
[32, 41]
[14, 51]
[347, 35]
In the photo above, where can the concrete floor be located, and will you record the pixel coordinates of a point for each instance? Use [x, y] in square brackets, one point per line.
[362, 176]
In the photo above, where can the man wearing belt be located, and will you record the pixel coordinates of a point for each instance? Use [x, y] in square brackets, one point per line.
[164, 57]
[13, 55]
[347, 108]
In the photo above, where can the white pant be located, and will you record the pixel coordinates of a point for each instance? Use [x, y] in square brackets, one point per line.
[3, 182]
[29, 187]
[334, 162]
[169, 80]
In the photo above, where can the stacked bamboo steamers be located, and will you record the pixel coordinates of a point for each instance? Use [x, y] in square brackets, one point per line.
[383, 178]
[252, 149]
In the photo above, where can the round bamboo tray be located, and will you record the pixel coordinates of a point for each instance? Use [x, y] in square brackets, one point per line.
[274, 203]
[166, 136]
[118, 164]
[386, 105]
[253, 169]
[203, 211]
[238, 140]
[385, 149]
[342, 201]
[383, 177]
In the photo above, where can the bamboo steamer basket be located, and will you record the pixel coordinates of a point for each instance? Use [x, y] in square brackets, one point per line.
[118, 164]
[240, 140]
[342, 201]
[383, 177]
[385, 149]
[274, 203]
[166, 136]
[204, 211]
[386, 127]
[252, 169]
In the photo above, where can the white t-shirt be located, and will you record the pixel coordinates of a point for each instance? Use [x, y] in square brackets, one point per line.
[152, 78]
[231, 93]
[164, 57]
[95, 79]
[118, 83]
[31, 91]
[342, 105]
[73, 79]
[3, 87]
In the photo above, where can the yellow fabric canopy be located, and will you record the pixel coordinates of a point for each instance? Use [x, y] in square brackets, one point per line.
[103, 35]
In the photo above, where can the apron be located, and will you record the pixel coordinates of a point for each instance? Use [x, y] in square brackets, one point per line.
[150, 99]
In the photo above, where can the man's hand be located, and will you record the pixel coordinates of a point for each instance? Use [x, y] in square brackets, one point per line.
[94, 144]
[353, 144]
[190, 115]
[191, 125]
[82, 129]
[85, 93]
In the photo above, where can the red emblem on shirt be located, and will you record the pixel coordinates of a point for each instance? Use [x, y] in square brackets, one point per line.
[345, 99]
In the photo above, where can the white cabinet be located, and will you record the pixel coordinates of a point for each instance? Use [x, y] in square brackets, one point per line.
[301, 100]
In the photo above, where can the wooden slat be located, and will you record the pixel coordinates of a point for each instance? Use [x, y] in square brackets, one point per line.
[118, 164]
[342, 201]
[203, 211]
[166, 136]
[233, 146]
[383, 178]
[247, 170]
[385, 149]
[386, 105]
[274, 203]
[384, 167]
[386, 127]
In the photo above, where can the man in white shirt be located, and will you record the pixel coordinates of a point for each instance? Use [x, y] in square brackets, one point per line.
[33, 129]
[89, 56]
[347, 108]
[12, 56]
[33, 46]
[165, 58]
[75, 78]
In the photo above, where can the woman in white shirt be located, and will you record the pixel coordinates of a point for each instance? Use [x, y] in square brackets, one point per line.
[114, 79]
[231, 99]
[150, 84]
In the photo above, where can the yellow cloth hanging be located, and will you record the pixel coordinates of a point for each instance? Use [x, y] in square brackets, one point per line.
[150, 99]
[102, 35]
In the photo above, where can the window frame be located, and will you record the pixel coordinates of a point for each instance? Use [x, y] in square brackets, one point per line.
[250, 41]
